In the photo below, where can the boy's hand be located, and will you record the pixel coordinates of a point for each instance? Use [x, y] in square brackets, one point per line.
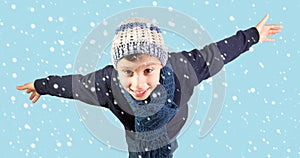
[29, 87]
[266, 30]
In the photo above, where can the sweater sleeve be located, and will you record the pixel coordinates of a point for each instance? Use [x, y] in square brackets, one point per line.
[92, 88]
[209, 60]
[232, 47]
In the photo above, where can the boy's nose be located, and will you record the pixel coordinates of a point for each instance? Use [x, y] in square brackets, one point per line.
[138, 83]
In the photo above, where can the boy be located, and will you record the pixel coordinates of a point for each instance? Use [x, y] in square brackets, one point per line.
[146, 88]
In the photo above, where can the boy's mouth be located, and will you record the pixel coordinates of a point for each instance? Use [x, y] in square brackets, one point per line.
[139, 93]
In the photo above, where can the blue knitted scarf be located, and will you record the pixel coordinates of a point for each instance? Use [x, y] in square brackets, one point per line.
[151, 118]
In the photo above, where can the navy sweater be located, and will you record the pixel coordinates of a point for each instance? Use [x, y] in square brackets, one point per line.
[101, 87]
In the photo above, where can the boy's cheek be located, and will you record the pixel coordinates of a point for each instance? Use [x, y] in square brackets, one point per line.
[124, 82]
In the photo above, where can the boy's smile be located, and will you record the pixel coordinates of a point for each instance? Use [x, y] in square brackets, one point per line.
[141, 76]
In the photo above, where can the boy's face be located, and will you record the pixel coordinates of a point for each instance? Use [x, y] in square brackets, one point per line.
[139, 77]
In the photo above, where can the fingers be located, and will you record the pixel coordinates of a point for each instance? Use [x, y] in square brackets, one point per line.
[29, 87]
[273, 29]
[28, 91]
[34, 97]
[274, 26]
[37, 97]
[266, 39]
[269, 40]
[25, 86]
[262, 21]
[21, 87]
[266, 30]
[272, 32]
[265, 19]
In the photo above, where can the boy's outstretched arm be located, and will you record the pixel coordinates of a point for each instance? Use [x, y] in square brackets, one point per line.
[266, 30]
[92, 88]
[209, 60]
[29, 87]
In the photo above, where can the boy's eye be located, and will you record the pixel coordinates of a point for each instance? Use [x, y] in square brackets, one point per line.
[128, 72]
[148, 70]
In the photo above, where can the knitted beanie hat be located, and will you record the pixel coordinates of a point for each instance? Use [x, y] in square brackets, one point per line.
[138, 36]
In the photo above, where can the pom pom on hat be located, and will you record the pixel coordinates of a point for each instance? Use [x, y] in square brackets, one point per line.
[138, 36]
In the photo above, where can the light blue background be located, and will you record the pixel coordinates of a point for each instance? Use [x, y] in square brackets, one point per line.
[261, 109]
